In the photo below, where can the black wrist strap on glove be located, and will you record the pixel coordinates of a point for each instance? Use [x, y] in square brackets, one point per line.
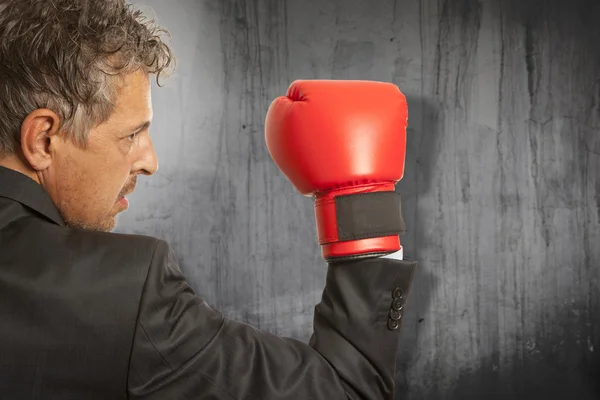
[369, 215]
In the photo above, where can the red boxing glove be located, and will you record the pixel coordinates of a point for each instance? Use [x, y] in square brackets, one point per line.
[343, 143]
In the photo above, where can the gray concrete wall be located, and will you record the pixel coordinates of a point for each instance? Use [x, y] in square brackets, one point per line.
[501, 191]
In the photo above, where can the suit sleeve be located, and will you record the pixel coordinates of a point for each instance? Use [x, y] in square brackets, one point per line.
[184, 349]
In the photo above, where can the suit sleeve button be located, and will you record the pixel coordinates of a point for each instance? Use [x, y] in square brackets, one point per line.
[397, 293]
[397, 304]
[395, 315]
[393, 325]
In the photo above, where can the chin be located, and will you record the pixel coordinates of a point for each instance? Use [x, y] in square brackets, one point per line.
[111, 227]
[107, 225]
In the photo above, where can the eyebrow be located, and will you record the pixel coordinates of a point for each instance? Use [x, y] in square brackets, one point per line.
[142, 126]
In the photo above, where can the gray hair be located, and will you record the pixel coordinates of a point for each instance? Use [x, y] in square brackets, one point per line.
[67, 56]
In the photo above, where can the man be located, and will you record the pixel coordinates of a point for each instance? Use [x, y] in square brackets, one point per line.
[89, 314]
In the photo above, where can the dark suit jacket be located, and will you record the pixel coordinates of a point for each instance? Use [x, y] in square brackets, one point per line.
[89, 315]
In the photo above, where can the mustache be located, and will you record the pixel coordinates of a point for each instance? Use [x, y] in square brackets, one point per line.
[129, 187]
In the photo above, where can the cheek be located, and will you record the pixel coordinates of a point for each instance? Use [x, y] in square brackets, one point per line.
[112, 178]
[99, 184]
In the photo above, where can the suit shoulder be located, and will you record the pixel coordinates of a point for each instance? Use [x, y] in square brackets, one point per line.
[127, 247]
[89, 247]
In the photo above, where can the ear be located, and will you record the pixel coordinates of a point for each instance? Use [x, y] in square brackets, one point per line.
[38, 131]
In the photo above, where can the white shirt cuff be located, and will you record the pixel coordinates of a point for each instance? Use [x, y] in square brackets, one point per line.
[395, 256]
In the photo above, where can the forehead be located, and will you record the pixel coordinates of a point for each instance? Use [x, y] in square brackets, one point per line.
[133, 96]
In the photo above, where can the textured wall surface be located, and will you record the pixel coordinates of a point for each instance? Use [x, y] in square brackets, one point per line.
[501, 191]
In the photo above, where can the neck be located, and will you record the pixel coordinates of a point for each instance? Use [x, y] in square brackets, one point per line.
[15, 163]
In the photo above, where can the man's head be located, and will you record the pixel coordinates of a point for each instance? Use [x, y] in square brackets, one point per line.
[75, 104]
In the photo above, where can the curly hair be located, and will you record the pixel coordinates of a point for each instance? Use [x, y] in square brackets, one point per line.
[66, 56]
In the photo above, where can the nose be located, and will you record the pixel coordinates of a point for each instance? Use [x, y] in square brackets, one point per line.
[147, 163]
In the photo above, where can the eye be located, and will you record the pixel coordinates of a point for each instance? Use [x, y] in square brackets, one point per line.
[132, 137]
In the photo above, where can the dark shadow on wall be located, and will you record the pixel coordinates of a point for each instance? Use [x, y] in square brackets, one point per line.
[561, 360]
[558, 364]
[422, 139]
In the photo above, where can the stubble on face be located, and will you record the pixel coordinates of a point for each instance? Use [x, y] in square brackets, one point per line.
[75, 214]
[87, 184]
[89, 198]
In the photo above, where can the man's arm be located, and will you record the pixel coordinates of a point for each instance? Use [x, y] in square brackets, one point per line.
[184, 349]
